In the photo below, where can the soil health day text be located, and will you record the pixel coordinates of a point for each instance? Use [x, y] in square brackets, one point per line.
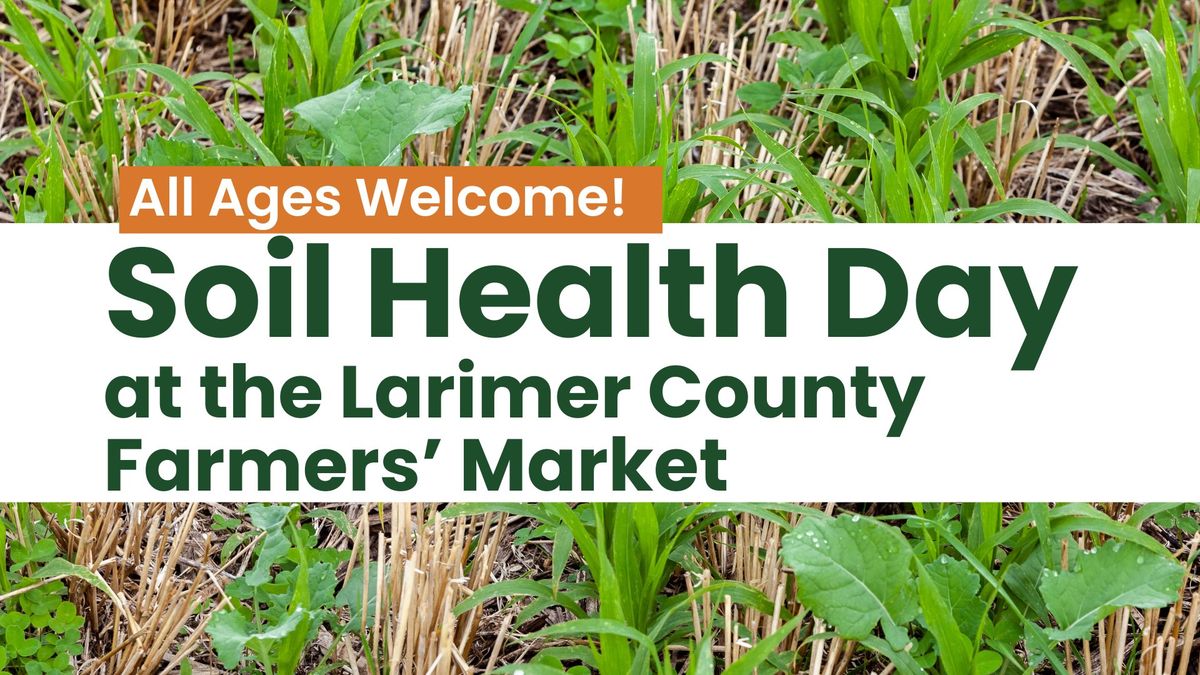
[727, 297]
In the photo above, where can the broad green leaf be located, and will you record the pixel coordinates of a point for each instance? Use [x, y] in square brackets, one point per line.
[1113, 576]
[228, 631]
[41, 551]
[160, 151]
[987, 662]
[853, 572]
[275, 544]
[761, 96]
[958, 586]
[1022, 579]
[352, 594]
[232, 634]
[567, 50]
[370, 124]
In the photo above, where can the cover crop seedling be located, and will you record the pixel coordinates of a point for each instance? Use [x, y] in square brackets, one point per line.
[860, 575]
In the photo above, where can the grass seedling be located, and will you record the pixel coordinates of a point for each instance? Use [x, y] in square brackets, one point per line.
[1167, 111]
[80, 144]
[907, 54]
[630, 551]
[904, 178]
[627, 119]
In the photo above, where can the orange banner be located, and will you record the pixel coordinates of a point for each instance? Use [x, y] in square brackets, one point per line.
[344, 199]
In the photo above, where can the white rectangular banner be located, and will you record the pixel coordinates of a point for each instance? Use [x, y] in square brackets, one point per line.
[731, 363]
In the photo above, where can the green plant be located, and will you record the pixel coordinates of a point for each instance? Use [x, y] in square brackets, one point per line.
[1167, 111]
[42, 635]
[364, 123]
[906, 53]
[628, 120]
[41, 627]
[371, 124]
[963, 589]
[318, 69]
[1117, 15]
[78, 146]
[629, 551]
[283, 600]
[321, 54]
[1173, 516]
[579, 25]
[885, 88]
[904, 178]
[1116, 19]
